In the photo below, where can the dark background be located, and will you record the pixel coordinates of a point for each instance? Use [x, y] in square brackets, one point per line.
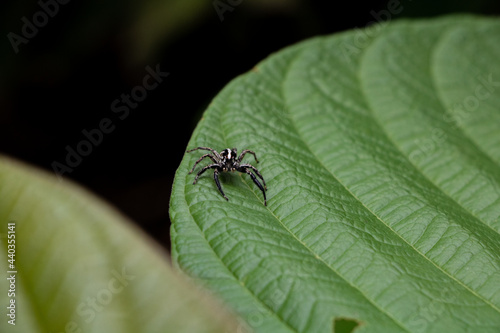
[64, 79]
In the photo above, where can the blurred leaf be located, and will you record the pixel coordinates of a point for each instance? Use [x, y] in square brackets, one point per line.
[383, 202]
[158, 21]
[162, 21]
[81, 267]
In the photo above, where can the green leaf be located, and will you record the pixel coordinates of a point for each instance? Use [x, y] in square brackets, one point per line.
[383, 200]
[81, 267]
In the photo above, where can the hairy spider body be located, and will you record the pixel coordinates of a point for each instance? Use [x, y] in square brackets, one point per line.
[229, 161]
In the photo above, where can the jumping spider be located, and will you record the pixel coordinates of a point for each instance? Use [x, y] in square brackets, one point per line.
[226, 161]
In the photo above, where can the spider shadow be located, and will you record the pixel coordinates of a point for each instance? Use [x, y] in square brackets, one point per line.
[229, 178]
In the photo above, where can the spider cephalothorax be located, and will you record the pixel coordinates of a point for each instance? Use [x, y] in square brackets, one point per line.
[228, 160]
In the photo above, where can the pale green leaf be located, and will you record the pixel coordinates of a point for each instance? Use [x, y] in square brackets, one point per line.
[81, 267]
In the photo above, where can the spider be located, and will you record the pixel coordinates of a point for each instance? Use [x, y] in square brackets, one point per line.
[225, 161]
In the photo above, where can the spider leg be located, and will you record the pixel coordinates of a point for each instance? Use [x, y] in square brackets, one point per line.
[256, 172]
[255, 180]
[216, 178]
[247, 151]
[210, 166]
[200, 159]
[206, 148]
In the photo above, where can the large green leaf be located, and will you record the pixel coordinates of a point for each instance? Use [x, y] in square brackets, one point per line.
[383, 199]
[81, 267]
